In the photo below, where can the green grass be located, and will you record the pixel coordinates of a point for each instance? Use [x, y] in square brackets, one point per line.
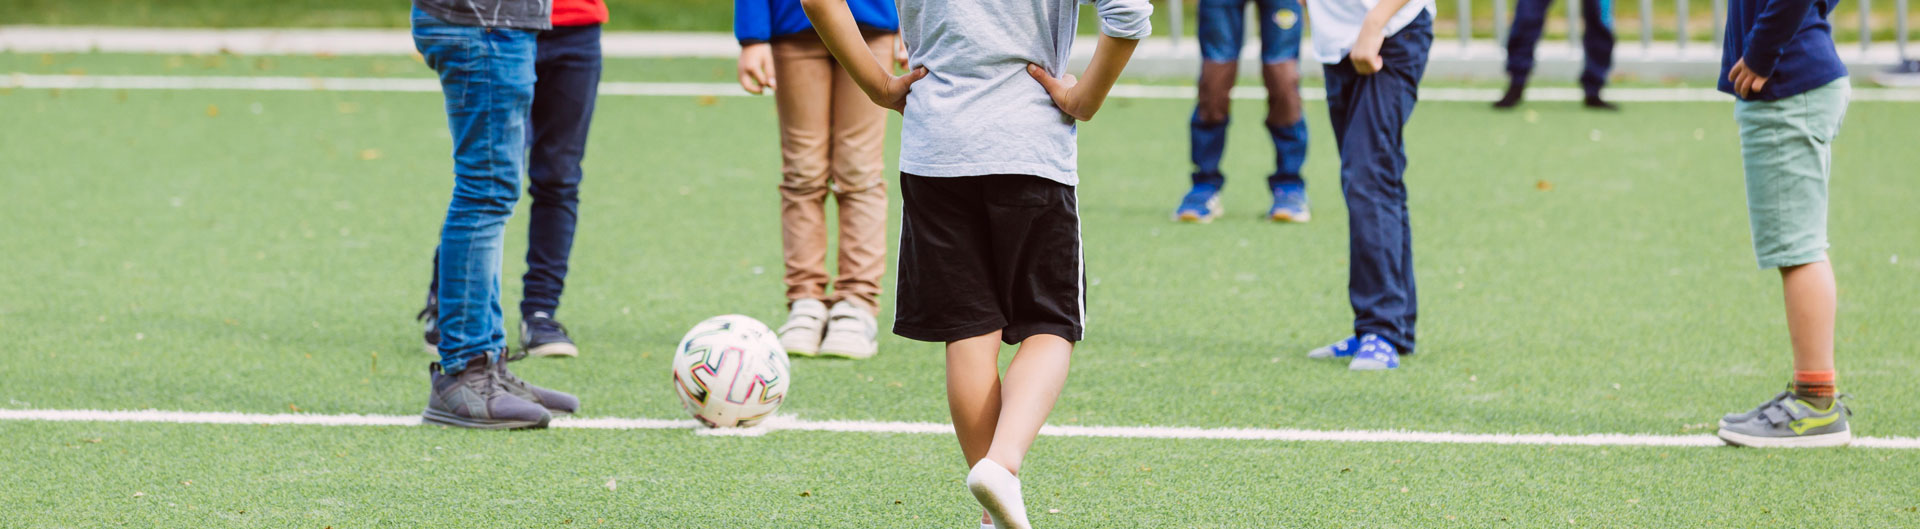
[717, 16]
[264, 252]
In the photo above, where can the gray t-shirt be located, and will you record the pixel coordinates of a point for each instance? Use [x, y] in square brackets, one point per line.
[978, 112]
[516, 14]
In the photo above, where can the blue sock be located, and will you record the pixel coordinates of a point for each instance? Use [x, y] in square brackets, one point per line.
[1209, 144]
[1290, 151]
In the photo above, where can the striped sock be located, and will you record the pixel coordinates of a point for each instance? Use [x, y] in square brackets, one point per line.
[1815, 387]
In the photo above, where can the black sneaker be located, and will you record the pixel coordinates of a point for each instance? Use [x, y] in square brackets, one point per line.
[540, 335]
[430, 319]
[554, 401]
[1593, 101]
[1516, 89]
[478, 397]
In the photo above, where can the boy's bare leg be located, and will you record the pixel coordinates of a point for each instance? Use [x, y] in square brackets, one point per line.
[1810, 293]
[973, 392]
[1034, 381]
[973, 395]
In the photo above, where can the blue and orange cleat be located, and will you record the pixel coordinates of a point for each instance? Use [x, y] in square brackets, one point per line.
[1290, 203]
[1201, 204]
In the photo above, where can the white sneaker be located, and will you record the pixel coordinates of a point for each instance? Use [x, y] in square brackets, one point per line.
[806, 322]
[851, 332]
[999, 491]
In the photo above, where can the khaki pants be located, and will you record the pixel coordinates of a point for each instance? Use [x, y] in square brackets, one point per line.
[832, 140]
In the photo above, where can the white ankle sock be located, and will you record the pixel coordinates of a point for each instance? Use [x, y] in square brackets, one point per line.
[999, 491]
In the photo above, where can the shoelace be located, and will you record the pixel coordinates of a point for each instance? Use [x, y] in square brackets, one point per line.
[429, 312]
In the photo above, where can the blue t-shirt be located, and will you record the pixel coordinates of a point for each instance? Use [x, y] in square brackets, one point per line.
[1789, 42]
[763, 20]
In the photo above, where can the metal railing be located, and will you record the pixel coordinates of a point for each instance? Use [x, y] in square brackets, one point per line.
[1175, 10]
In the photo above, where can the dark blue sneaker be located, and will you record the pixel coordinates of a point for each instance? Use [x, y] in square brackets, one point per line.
[1375, 354]
[541, 335]
[1341, 349]
[1201, 204]
[1290, 203]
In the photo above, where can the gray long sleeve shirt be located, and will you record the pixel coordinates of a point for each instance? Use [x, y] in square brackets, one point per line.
[978, 112]
[515, 14]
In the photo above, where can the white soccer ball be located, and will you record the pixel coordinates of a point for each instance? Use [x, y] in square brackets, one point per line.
[731, 371]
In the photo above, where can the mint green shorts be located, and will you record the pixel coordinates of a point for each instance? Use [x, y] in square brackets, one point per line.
[1787, 146]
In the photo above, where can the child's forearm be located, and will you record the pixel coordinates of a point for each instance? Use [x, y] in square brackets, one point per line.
[1110, 56]
[838, 30]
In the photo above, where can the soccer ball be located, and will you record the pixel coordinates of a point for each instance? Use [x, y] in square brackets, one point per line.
[731, 371]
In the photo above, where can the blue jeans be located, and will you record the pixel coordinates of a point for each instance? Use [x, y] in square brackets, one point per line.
[1529, 19]
[1368, 113]
[487, 77]
[568, 68]
[1223, 26]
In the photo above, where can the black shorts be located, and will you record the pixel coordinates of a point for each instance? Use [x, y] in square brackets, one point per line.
[989, 253]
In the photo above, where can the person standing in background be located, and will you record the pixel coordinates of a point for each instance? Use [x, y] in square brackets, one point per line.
[567, 72]
[1223, 30]
[1530, 19]
[484, 52]
[832, 141]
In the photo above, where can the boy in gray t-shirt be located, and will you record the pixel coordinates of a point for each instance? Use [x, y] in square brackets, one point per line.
[990, 239]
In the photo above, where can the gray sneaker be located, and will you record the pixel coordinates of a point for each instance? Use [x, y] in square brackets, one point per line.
[1750, 414]
[1789, 422]
[476, 397]
[554, 401]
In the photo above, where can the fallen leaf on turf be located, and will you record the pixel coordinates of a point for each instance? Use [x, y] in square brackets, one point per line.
[611, 484]
[1403, 489]
[1053, 511]
[95, 440]
[370, 154]
[707, 101]
[213, 111]
[293, 407]
[1543, 185]
[187, 482]
[137, 494]
[806, 493]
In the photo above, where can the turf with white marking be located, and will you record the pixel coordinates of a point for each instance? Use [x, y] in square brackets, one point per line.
[795, 424]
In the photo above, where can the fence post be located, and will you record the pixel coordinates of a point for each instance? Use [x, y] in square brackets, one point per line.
[1646, 25]
[1573, 23]
[1866, 26]
[1720, 23]
[1680, 28]
[1466, 23]
[1900, 26]
[1500, 22]
[1174, 20]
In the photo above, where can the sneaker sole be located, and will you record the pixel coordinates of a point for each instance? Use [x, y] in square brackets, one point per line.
[1286, 217]
[1196, 219]
[554, 349]
[1370, 365]
[433, 416]
[1799, 441]
[995, 508]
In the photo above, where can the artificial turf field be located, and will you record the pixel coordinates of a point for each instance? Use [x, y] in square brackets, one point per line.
[1581, 273]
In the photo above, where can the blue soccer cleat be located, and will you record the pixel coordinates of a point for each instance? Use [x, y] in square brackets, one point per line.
[1341, 349]
[1375, 354]
[1201, 204]
[1290, 203]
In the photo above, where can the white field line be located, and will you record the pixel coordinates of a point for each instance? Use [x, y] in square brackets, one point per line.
[621, 88]
[788, 423]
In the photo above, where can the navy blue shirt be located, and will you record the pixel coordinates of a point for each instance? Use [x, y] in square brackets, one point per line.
[1787, 41]
[763, 20]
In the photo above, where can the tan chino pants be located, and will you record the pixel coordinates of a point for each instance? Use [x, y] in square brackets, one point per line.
[831, 142]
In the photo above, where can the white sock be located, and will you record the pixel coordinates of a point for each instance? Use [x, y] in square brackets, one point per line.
[999, 491]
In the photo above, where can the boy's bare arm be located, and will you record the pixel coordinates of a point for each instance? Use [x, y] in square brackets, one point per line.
[1366, 49]
[835, 24]
[1082, 97]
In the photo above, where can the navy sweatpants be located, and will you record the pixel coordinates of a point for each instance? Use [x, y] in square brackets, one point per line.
[1368, 113]
[568, 72]
[1530, 18]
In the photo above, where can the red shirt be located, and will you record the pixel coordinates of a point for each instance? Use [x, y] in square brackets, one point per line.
[579, 12]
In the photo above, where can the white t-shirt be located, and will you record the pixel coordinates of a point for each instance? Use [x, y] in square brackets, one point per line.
[978, 112]
[1336, 24]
